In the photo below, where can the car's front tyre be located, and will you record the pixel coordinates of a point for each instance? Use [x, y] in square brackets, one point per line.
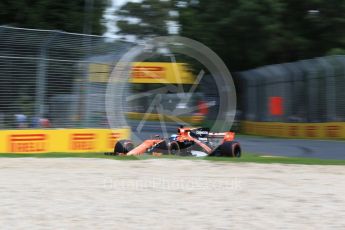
[122, 147]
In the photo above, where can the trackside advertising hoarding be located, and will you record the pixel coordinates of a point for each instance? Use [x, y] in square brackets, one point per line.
[328, 130]
[146, 73]
[64, 140]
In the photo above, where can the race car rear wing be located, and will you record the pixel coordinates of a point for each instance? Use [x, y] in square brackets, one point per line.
[227, 136]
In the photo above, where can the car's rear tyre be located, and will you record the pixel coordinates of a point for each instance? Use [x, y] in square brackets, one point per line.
[228, 149]
[231, 149]
[122, 147]
[237, 151]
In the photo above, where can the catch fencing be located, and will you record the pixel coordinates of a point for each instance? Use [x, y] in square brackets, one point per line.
[44, 78]
[303, 91]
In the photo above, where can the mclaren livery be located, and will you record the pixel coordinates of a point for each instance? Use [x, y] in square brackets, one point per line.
[187, 142]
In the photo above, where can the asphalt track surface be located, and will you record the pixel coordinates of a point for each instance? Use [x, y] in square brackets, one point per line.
[324, 149]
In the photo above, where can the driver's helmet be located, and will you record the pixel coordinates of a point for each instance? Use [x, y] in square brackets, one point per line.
[173, 137]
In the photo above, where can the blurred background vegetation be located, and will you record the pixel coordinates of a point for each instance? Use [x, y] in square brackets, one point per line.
[66, 15]
[245, 33]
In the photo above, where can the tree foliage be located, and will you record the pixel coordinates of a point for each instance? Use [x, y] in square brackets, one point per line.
[66, 15]
[250, 33]
[247, 33]
[146, 18]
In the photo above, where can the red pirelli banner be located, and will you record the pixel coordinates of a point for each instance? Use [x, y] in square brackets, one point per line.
[62, 140]
[28, 143]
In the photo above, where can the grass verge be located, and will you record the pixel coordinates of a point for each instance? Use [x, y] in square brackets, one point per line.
[247, 157]
[66, 155]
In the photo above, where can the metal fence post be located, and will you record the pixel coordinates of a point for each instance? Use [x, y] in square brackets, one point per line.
[2, 123]
[261, 95]
[291, 70]
[310, 96]
[41, 76]
[340, 85]
[330, 89]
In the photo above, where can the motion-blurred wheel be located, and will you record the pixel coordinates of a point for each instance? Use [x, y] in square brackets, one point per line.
[122, 147]
[174, 149]
[228, 149]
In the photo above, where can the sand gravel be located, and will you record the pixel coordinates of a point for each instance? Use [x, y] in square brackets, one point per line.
[168, 194]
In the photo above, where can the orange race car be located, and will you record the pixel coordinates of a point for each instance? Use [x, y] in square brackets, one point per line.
[187, 142]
